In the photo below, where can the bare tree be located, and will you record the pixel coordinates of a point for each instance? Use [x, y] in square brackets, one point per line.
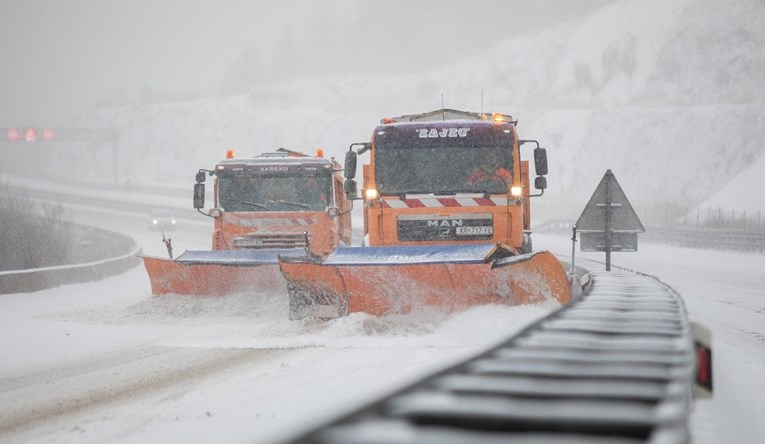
[32, 236]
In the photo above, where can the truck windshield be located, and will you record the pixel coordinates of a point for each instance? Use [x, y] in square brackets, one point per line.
[249, 193]
[411, 165]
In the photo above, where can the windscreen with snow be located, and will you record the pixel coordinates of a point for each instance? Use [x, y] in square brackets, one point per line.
[443, 158]
[290, 190]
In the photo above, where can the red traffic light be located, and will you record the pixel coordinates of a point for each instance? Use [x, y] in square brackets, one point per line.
[13, 134]
[47, 135]
[30, 135]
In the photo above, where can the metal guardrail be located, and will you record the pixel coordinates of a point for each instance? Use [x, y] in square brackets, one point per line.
[615, 365]
[723, 239]
[24, 281]
[683, 235]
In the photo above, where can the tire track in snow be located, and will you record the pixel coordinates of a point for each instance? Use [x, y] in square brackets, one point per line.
[48, 397]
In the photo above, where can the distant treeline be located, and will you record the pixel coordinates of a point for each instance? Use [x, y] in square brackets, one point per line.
[31, 235]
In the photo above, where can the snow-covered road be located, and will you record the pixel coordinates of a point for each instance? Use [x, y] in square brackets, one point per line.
[106, 362]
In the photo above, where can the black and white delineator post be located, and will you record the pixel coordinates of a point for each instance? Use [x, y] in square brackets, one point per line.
[608, 222]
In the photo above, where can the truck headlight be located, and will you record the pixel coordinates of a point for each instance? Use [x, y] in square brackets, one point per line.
[516, 191]
[371, 194]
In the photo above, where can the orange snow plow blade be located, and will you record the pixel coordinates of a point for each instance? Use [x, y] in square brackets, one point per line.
[218, 272]
[381, 280]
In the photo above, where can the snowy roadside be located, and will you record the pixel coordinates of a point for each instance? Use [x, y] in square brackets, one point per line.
[725, 291]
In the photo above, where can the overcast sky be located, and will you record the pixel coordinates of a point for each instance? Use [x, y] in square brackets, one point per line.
[62, 57]
[58, 54]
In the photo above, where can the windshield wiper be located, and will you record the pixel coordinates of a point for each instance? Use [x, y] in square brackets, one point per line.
[297, 204]
[254, 204]
[449, 192]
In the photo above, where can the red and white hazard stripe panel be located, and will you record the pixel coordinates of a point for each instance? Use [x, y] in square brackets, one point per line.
[445, 202]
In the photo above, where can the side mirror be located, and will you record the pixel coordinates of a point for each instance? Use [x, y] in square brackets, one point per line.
[199, 195]
[350, 165]
[540, 183]
[349, 188]
[540, 162]
[200, 176]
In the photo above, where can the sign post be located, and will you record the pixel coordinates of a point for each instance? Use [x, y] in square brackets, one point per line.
[608, 222]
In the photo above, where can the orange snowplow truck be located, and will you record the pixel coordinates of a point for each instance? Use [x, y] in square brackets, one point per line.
[282, 203]
[447, 223]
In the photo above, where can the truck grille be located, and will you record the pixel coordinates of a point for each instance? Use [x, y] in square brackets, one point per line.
[453, 227]
[270, 240]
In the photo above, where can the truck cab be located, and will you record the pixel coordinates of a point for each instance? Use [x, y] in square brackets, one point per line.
[284, 199]
[447, 177]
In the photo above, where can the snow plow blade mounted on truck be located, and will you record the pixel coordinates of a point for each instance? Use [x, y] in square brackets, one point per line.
[277, 204]
[381, 280]
[446, 224]
[217, 272]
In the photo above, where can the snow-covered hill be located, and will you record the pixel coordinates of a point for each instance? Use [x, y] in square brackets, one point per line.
[743, 194]
[668, 95]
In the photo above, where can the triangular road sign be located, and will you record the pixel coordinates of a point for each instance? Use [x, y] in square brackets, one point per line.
[595, 217]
